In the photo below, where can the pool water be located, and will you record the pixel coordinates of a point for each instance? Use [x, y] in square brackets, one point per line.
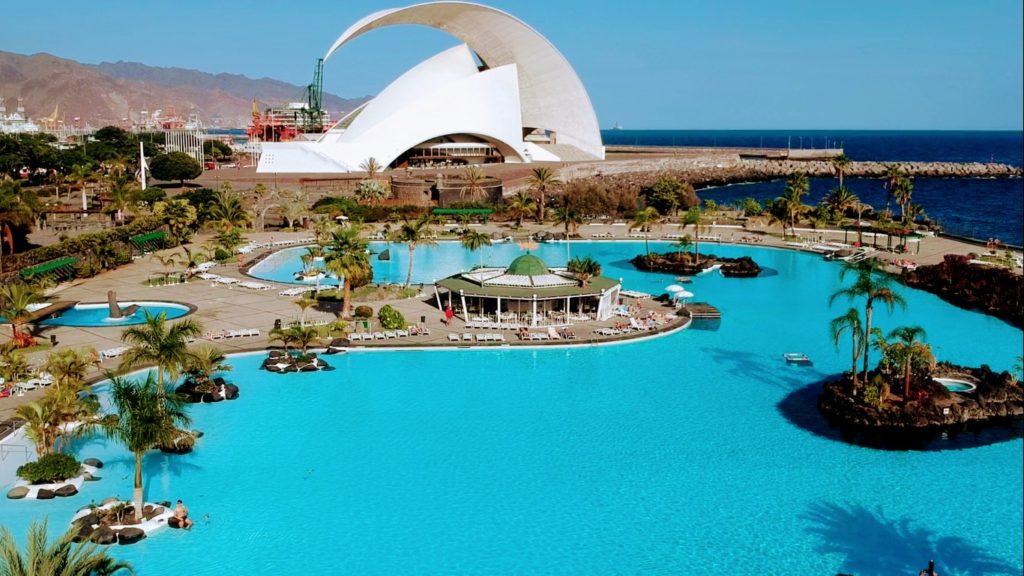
[97, 315]
[667, 456]
[956, 385]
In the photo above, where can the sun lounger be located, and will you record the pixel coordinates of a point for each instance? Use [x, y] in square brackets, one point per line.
[389, 335]
[378, 336]
[467, 337]
[402, 333]
[453, 337]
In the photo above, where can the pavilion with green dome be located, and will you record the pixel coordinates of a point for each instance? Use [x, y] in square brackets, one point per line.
[528, 293]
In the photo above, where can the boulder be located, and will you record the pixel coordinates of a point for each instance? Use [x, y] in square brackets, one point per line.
[103, 535]
[130, 535]
[88, 520]
[83, 534]
[152, 512]
[94, 462]
[44, 494]
[164, 503]
[110, 500]
[17, 493]
[174, 522]
[66, 490]
[89, 477]
[230, 392]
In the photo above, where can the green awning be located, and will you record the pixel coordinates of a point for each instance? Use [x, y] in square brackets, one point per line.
[463, 211]
[149, 237]
[47, 267]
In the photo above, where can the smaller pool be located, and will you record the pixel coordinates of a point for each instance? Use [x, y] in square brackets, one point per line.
[954, 385]
[97, 315]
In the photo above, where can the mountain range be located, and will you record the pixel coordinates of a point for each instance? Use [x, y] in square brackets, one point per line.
[110, 92]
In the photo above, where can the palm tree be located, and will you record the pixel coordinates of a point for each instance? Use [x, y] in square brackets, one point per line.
[18, 299]
[791, 202]
[521, 204]
[347, 258]
[309, 267]
[371, 166]
[570, 218]
[155, 342]
[850, 322]
[644, 220]
[40, 425]
[304, 336]
[474, 183]
[81, 174]
[542, 179]
[907, 351]
[123, 193]
[840, 201]
[414, 233]
[693, 217]
[284, 335]
[873, 285]
[474, 240]
[227, 209]
[147, 415]
[203, 362]
[168, 261]
[840, 164]
[304, 303]
[62, 557]
[893, 172]
[69, 366]
[179, 216]
[903, 190]
[584, 268]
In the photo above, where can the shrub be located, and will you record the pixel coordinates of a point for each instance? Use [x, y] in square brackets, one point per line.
[390, 318]
[363, 311]
[50, 468]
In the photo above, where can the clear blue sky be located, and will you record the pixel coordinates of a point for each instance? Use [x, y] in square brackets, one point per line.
[730, 64]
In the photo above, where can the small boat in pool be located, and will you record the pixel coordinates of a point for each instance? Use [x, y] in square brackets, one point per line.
[684, 279]
[797, 358]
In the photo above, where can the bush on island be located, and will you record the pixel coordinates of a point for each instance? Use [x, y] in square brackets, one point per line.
[50, 469]
[363, 311]
[390, 318]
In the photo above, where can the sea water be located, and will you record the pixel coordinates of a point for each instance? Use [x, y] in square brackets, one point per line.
[677, 455]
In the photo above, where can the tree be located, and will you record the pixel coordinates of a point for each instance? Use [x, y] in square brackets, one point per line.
[155, 342]
[168, 261]
[668, 195]
[69, 366]
[62, 557]
[371, 192]
[39, 420]
[693, 217]
[179, 216]
[644, 220]
[871, 284]
[521, 204]
[227, 210]
[542, 180]
[850, 322]
[906, 353]
[473, 185]
[175, 166]
[147, 415]
[414, 233]
[123, 193]
[18, 299]
[789, 207]
[584, 268]
[19, 209]
[568, 217]
[371, 166]
[303, 337]
[903, 190]
[840, 164]
[474, 240]
[346, 256]
[295, 207]
[216, 150]
[303, 304]
[893, 172]
[840, 200]
[202, 363]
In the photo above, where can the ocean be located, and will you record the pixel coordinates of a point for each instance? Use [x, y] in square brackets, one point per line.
[974, 208]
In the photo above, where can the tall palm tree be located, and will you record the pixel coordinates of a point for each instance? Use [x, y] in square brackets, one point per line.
[309, 259]
[873, 285]
[907, 351]
[521, 204]
[155, 342]
[62, 557]
[303, 337]
[303, 304]
[203, 362]
[18, 299]
[123, 192]
[840, 200]
[40, 425]
[791, 201]
[81, 174]
[414, 233]
[693, 216]
[644, 220]
[474, 240]
[168, 261]
[146, 415]
[347, 258]
[474, 179]
[570, 218]
[542, 180]
[893, 172]
[840, 164]
[903, 190]
[850, 322]
[282, 334]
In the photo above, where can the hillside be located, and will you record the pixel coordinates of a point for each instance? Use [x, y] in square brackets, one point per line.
[107, 93]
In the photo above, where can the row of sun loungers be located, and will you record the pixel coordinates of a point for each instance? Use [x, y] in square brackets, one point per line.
[467, 337]
[635, 294]
[250, 247]
[226, 334]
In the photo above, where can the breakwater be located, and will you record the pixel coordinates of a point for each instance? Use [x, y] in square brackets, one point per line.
[720, 169]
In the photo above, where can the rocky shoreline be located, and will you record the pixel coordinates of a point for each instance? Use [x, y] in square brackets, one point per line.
[997, 401]
[687, 264]
[730, 169]
[995, 291]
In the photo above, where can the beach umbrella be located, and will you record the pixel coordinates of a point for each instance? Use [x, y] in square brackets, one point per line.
[682, 294]
[674, 288]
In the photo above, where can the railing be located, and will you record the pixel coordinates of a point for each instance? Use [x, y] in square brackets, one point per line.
[6, 450]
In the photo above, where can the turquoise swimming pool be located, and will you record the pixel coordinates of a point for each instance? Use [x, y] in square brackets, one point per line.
[98, 315]
[669, 456]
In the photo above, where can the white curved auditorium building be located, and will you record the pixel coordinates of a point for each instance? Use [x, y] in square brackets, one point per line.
[504, 95]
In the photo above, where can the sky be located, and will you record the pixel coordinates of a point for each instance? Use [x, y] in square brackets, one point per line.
[647, 64]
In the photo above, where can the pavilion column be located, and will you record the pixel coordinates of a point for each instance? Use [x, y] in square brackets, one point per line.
[498, 313]
[437, 296]
[465, 310]
[533, 318]
[568, 307]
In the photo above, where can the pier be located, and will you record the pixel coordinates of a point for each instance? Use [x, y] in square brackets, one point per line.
[702, 311]
[758, 152]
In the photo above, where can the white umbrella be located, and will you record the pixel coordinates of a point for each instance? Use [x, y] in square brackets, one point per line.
[674, 288]
[683, 294]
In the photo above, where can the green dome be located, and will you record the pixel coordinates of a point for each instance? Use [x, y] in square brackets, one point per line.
[527, 265]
